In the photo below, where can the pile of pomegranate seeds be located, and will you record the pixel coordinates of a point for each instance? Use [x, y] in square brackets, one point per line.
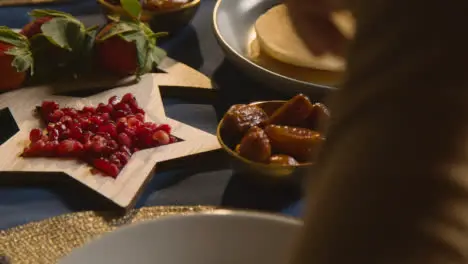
[105, 136]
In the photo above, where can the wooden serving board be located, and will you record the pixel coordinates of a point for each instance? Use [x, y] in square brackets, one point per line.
[124, 189]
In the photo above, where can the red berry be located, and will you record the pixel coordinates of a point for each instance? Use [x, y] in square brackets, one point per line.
[140, 117]
[53, 133]
[70, 112]
[50, 148]
[161, 137]
[114, 100]
[123, 157]
[112, 146]
[48, 107]
[35, 149]
[33, 28]
[125, 149]
[134, 122]
[69, 147]
[56, 116]
[35, 135]
[108, 128]
[125, 140]
[76, 132]
[105, 117]
[119, 113]
[123, 106]
[106, 166]
[116, 55]
[173, 139]
[89, 109]
[165, 127]
[128, 98]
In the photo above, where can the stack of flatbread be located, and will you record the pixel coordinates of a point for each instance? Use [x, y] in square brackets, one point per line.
[278, 47]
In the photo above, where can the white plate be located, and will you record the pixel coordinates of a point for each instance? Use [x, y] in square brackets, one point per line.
[222, 237]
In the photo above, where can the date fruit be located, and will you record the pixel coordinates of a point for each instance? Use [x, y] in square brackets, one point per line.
[318, 118]
[293, 112]
[283, 160]
[301, 143]
[240, 118]
[255, 145]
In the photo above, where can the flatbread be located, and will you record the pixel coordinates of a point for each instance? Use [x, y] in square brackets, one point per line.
[279, 40]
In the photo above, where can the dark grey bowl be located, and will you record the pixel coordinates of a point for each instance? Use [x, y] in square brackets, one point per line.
[233, 22]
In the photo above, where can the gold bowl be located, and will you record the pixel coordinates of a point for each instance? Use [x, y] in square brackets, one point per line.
[261, 172]
[165, 20]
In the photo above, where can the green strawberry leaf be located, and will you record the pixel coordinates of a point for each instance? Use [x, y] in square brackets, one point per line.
[13, 38]
[132, 7]
[23, 59]
[63, 32]
[118, 29]
[37, 13]
[158, 55]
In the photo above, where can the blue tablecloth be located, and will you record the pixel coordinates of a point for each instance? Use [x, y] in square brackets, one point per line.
[197, 47]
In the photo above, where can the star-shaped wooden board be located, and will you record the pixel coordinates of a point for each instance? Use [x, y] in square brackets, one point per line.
[122, 190]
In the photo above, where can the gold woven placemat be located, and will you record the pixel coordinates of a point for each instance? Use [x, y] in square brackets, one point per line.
[26, 2]
[49, 240]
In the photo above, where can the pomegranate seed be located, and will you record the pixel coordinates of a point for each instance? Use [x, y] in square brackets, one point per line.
[114, 100]
[119, 126]
[112, 146]
[76, 133]
[139, 111]
[105, 135]
[50, 148]
[70, 112]
[115, 160]
[109, 128]
[106, 167]
[140, 117]
[34, 149]
[96, 120]
[123, 157]
[53, 134]
[125, 140]
[49, 107]
[93, 127]
[122, 106]
[56, 115]
[133, 122]
[67, 120]
[69, 147]
[119, 113]
[35, 135]
[89, 109]
[125, 149]
[131, 132]
[161, 137]
[165, 127]
[104, 108]
[128, 98]
[105, 117]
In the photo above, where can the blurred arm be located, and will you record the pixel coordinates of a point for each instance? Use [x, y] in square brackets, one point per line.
[394, 172]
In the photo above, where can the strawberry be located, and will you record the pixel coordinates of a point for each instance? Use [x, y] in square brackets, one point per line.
[15, 58]
[59, 41]
[127, 47]
[33, 28]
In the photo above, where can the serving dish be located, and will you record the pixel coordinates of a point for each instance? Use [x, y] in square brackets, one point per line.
[261, 172]
[166, 20]
[123, 190]
[233, 27]
[222, 236]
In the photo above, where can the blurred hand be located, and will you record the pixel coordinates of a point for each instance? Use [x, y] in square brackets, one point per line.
[312, 19]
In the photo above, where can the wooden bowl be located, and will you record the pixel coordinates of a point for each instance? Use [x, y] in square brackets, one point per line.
[260, 172]
[164, 20]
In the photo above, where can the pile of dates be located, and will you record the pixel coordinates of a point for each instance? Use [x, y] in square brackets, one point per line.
[290, 135]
